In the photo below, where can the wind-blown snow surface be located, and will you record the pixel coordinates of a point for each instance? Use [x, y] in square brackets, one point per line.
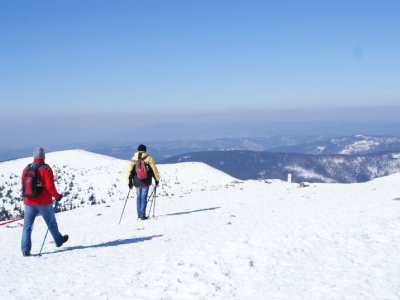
[218, 238]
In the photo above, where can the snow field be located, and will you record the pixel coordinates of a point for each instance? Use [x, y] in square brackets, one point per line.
[217, 238]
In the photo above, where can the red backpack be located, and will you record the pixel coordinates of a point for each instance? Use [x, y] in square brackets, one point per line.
[141, 168]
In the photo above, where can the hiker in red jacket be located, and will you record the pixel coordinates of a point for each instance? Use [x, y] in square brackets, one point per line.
[41, 203]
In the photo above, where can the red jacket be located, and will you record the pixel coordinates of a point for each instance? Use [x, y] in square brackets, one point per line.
[49, 192]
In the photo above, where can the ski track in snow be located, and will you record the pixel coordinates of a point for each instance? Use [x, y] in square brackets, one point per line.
[250, 240]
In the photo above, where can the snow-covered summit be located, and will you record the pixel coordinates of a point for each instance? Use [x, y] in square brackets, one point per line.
[86, 178]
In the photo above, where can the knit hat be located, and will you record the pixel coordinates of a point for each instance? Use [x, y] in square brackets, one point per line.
[38, 153]
[141, 148]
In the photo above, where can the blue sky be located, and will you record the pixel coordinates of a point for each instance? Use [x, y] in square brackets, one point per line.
[121, 58]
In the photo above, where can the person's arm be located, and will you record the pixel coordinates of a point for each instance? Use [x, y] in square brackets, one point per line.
[153, 166]
[48, 181]
[129, 174]
[129, 171]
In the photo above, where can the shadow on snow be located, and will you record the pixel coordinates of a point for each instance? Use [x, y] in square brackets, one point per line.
[190, 212]
[131, 241]
[108, 244]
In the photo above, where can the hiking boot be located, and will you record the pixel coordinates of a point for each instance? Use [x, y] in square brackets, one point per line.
[26, 253]
[65, 239]
[143, 218]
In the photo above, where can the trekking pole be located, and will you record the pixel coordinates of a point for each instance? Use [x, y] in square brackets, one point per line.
[154, 198]
[47, 231]
[151, 199]
[124, 207]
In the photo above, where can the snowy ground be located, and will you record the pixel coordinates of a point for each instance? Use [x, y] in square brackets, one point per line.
[251, 240]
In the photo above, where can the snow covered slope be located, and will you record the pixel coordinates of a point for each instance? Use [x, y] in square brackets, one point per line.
[214, 237]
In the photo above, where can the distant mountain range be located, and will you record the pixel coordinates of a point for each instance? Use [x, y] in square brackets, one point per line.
[169, 139]
[343, 159]
[162, 149]
[332, 168]
[356, 144]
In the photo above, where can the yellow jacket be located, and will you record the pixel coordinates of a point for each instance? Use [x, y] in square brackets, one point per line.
[148, 160]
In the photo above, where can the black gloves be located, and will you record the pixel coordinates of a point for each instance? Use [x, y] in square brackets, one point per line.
[59, 199]
[157, 182]
[130, 185]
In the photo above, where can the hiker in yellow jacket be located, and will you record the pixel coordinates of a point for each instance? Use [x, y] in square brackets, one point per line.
[140, 172]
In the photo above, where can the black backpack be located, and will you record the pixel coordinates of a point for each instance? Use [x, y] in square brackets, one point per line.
[31, 183]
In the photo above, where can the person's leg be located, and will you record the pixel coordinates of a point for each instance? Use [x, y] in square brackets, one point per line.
[143, 201]
[138, 200]
[47, 212]
[29, 218]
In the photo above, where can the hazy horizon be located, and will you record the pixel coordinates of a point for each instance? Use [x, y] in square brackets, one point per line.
[85, 132]
[112, 120]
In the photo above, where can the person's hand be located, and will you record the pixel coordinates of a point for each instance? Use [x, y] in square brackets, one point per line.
[130, 185]
[157, 182]
[59, 199]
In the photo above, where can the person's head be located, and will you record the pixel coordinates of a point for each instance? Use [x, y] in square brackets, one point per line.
[38, 153]
[141, 148]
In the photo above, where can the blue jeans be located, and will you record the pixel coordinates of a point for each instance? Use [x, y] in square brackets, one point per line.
[141, 200]
[47, 212]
